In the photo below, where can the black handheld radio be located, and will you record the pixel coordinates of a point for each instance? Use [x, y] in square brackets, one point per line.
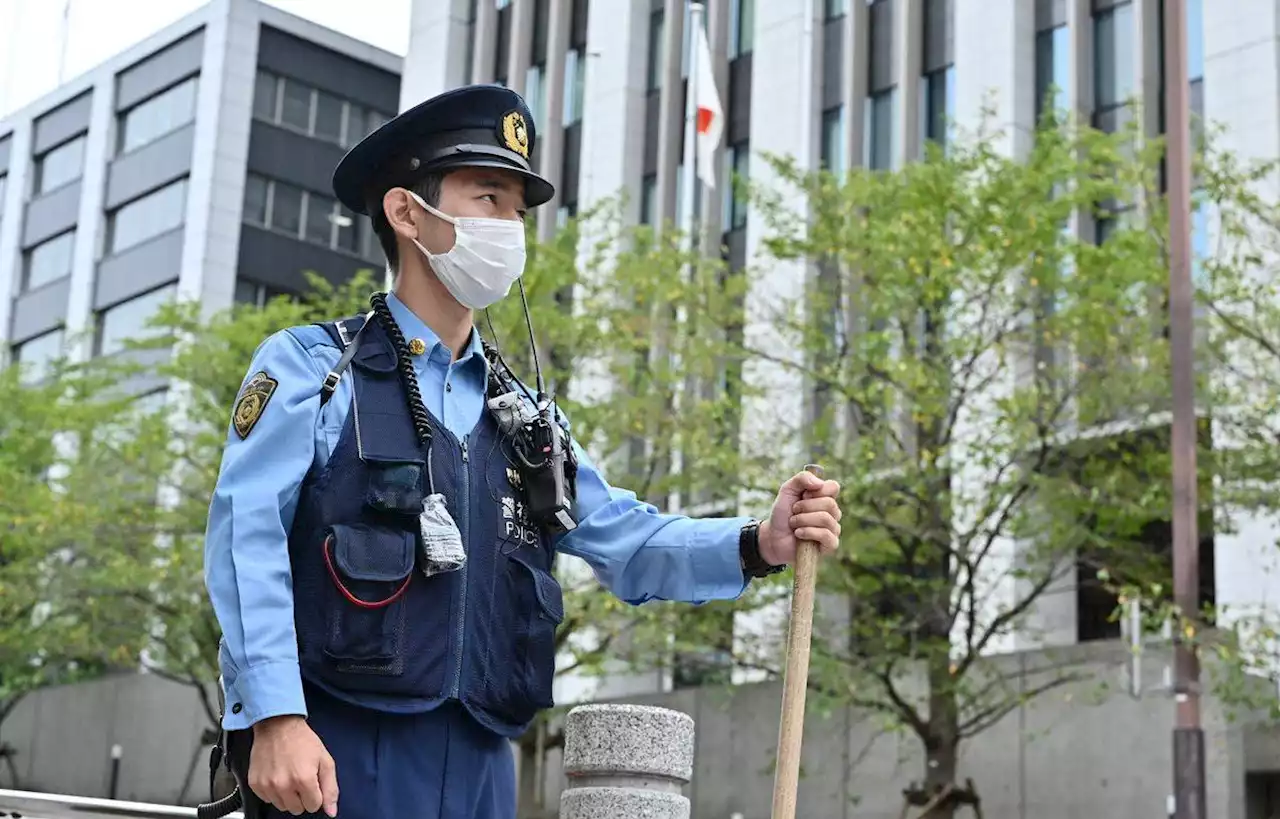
[543, 451]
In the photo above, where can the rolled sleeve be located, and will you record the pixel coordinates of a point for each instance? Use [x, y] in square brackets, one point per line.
[247, 570]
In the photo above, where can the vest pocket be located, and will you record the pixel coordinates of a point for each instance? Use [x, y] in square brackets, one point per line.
[370, 569]
[537, 659]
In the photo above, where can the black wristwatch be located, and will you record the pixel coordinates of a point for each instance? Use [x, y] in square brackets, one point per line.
[753, 565]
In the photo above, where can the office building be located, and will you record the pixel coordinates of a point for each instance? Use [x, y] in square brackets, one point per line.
[841, 82]
[196, 164]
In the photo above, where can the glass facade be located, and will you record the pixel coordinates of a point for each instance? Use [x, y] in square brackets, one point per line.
[833, 140]
[1114, 68]
[880, 127]
[742, 27]
[165, 112]
[649, 199]
[305, 215]
[146, 217]
[59, 166]
[657, 25]
[295, 105]
[36, 355]
[49, 261]
[1053, 70]
[128, 320]
[737, 170]
[575, 86]
[937, 105]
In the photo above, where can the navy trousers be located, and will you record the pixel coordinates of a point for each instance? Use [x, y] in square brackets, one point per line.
[438, 765]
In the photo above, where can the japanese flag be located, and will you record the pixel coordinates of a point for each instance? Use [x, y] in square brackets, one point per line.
[710, 116]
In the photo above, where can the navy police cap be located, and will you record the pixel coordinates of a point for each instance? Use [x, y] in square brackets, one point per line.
[476, 126]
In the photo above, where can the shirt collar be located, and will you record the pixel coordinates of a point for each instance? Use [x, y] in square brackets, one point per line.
[413, 327]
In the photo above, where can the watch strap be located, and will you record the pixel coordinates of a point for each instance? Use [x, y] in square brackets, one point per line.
[753, 565]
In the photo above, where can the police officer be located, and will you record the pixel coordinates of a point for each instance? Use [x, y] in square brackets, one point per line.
[353, 656]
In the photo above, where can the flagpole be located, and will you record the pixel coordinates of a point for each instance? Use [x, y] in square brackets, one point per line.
[690, 181]
[688, 189]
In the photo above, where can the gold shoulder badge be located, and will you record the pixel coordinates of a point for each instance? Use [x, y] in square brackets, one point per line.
[252, 401]
[515, 133]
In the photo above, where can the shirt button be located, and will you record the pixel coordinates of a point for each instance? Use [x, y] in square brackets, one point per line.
[237, 708]
[448, 387]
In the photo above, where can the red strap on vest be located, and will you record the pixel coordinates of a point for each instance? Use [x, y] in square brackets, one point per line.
[351, 598]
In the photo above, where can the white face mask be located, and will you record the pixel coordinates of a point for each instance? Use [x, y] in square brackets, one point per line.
[487, 257]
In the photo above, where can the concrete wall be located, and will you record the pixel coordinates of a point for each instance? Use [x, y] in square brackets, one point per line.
[1085, 750]
[63, 737]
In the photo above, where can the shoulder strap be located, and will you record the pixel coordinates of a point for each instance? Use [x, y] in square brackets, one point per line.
[346, 334]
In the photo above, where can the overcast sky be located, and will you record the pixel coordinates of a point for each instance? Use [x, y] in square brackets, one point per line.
[31, 34]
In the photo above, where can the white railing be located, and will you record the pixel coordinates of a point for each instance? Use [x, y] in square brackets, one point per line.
[32, 805]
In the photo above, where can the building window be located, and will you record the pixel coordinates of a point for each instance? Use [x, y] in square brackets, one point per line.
[656, 27]
[937, 85]
[1199, 240]
[1053, 70]
[59, 166]
[736, 175]
[36, 355]
[310, 217]
[541, 13]
[254, 294]
[295, 105]
[742, 27]
[4, 185]
[937, 103]
[1195, 40]
[165, 112]
[128, 320]
[534, 95]
[1114, 81]
[49, 261]
[575, 86]
[150, 403]
[649, 199]
[833, 139]
[146, 217]
[299, 107]
[836, 8]
[329, 116]
[880, 131]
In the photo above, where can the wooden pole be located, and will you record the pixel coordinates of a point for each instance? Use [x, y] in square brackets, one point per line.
[796, 679]
[1188, 735]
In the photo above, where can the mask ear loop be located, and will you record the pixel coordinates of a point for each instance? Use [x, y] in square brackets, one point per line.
[431, 479]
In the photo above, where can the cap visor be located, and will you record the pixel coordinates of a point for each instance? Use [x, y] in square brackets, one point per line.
[537, 191]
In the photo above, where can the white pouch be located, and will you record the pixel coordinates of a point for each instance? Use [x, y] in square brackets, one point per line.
[441, 541]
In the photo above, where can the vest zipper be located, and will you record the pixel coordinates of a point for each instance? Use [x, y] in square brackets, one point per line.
[464, 502]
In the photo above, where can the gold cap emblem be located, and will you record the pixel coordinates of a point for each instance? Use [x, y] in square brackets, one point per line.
[515, 133]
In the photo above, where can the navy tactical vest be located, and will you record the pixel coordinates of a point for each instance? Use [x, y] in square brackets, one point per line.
[372, 628]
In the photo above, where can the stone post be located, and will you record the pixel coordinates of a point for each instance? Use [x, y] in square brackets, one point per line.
[626, 761]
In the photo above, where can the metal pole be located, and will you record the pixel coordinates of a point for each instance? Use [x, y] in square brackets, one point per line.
[66, 35]
[1188, 737]
[690, 181]
[114, 787]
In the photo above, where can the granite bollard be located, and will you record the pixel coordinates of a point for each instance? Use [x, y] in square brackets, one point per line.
[626, 762]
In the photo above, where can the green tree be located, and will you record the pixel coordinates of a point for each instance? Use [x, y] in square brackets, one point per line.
[65, 529]
[1238, 293]
[983, 379]
[646, 366]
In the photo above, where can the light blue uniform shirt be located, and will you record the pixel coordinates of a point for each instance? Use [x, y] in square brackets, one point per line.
[636, 552]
